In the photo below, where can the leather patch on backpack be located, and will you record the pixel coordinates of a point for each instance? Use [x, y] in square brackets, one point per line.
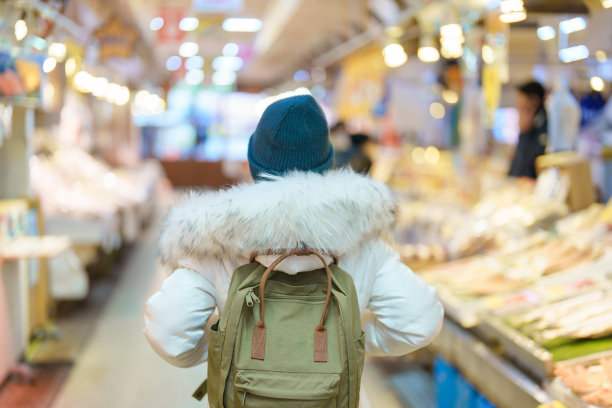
[320, 346]
[258, 350]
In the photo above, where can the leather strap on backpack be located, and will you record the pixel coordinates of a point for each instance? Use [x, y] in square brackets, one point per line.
[320, 334]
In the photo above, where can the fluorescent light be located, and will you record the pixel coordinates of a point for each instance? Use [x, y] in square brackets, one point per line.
[194, 77]
[189, 24]
[511, 6]
[57, 50]
[576, 53]
[428, 54]
[173, 63]
[301, 76]
[231, 50]
[394, 55]
[21, 30]
[49, 64]
[513, 17]
[156, 24]
[437, 110]
[546, 33]
[227, 63]
[188, 49]
[572, 25]
[195, 62]
[224, 77]
[597, 84]
[249, 25]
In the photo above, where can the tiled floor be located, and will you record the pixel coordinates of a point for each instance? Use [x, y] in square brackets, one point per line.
[117, 368]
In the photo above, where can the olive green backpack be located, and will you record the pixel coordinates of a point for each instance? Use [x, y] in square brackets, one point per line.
[286, 340]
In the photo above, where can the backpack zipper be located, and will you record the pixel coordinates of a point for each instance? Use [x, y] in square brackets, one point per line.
[251, 298]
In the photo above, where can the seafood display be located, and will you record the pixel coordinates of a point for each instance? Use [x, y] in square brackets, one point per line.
[592, 384]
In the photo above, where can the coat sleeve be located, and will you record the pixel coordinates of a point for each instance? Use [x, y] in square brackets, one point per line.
[403, 313]
[176, 317]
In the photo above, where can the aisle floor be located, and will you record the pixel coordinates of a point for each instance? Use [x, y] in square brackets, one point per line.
[117, 367]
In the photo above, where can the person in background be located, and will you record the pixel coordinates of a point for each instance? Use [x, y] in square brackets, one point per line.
[533, 125]
[356, 157]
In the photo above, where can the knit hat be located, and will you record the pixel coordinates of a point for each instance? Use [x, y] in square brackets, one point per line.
[292, 134]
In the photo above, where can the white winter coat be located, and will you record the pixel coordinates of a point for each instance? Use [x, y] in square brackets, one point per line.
[210, 234]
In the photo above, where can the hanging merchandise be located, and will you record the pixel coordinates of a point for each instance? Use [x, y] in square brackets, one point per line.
[563, 118]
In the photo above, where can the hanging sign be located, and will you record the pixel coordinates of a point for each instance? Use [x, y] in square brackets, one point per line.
[116, 39]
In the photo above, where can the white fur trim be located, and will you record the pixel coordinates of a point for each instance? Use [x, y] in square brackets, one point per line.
[334, 213]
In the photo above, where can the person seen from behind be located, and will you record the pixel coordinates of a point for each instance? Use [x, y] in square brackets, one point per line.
[297, 199]
[533, 125]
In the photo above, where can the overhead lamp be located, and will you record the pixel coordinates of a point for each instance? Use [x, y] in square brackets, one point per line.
[394, 55]
[572, 25]
[156, 24]
[451, 39]
[21, 30]
[601, 56]
[189, 24]
[597, 84]
[173, 63]
[227, 63]
[572, 54]
[194, 77]
[231, 50]
[195, 62]
[57, 50]
[224, 78]
[450, 96]
[49, 65]
[428, 54]
[546, 33]
[606, 3]
[123, 96]
[100, 86]
[437, 110]
[250, 25]
[513, 11]
[188, 49]
[113, 93]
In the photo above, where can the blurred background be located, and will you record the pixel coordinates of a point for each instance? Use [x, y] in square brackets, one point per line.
[491, 120]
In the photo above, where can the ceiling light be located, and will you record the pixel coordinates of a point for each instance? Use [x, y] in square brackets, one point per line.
[194, 77]
[576, 53]
[512, 11]
[606, 3]
[224, 78]
[188, 49]
[173, 63]
[49, 64]
[156, 24]
[123, 96]
[99, 88]
[195, 62]
[428, 54]
[546, 33]
[250, 25]
[189, 24]
[57, 50]
[227, 63]
[437, 110]
[394, 55]
[231, 50]
[572, 25]
[514, 17]
[450, 97]
[601, 56]
[597, 84]
[113, 93]
[21, 30]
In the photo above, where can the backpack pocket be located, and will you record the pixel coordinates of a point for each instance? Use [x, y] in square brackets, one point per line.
[265, 389]
[215, 346]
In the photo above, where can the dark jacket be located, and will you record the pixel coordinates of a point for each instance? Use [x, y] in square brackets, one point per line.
[531, 144]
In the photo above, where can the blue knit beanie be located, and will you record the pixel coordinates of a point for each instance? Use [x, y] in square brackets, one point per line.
[292, 134]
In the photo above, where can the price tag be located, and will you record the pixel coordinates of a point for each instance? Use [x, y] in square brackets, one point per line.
[553, 404]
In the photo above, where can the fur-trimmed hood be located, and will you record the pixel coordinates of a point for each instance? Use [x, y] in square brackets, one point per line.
[334, 213]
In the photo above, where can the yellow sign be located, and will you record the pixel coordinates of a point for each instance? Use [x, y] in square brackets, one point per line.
[116, 39]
